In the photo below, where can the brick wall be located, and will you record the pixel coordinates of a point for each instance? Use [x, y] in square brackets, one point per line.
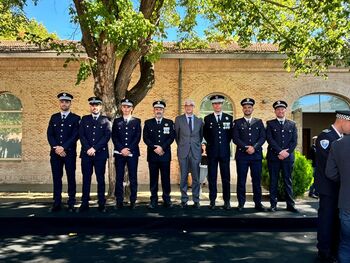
[36, 82]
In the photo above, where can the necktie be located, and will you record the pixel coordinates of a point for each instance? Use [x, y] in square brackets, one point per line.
[190, 123]
[158, 121]
[126, 121]
[218, 118]
[281, 123]
[95, 118]
[63, 117]
[248, 122]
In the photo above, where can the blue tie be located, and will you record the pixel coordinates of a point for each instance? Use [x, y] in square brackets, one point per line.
[190, 123]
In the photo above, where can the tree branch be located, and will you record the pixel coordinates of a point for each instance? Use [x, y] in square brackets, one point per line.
[145, 83]
[281, 5]
[88, 40]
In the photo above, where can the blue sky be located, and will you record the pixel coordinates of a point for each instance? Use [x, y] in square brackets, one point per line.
[54, 14]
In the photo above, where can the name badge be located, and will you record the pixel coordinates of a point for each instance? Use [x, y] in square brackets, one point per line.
[166, 130]
[226, 125]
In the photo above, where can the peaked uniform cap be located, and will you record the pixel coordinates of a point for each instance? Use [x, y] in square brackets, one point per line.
[95, 100]
[65, 96]
[248, 101]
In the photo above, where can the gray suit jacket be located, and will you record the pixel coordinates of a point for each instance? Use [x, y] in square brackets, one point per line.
[338, 169]
[187, 141]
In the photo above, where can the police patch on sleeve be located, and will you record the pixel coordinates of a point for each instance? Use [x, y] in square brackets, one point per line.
[324, 144]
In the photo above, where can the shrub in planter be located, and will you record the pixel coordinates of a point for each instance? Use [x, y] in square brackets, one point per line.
[302, 176]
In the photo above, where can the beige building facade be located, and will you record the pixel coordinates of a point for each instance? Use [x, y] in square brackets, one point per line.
[35, 77]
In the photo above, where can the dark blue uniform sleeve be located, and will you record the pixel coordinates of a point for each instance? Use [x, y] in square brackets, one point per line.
[321, 153]
[51, 134]
[294, 141]
[201, 132]
[332, 171]
[205, 129]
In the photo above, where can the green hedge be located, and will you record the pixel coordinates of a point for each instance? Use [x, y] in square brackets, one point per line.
[302, 176]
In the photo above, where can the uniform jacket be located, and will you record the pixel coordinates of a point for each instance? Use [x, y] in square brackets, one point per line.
[323, 146]
[281, 137]
[126, 135]
[95, 133]
[162, 134]
[338, 169]
[245, 134]
[63, 133]
[186, 140]
[218, 135]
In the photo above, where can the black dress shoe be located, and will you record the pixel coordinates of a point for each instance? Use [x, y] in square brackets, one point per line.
[227, 206]
[152, 206]
[313, 196]
[71, 209]
[119, 206]
[168, 204]
[55, 208]
[196, 205]
[212, 205]
[83, 208]
[292, 209]
[184, 205]
[260, 208]
[132, 205]
[240, 208]
[273, 209]
[322, 258]
[102, 208]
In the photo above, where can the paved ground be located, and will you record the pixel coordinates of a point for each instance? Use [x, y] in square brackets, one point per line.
[28, 233]
[162, 247]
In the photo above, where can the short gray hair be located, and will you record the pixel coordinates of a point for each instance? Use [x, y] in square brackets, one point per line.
[189, 102]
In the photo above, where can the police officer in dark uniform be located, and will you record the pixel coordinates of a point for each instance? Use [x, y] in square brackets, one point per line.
[249, 135]
[94, 133]
[218, 131]
[158, 135]
[282, 139]
[62, 134]
[126, 135]
[328, 222]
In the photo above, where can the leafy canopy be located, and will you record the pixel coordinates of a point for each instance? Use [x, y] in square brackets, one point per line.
[14, 24]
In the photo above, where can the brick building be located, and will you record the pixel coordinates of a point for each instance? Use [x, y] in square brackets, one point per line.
[31, 77]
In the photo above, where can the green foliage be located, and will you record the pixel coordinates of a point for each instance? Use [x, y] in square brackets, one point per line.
[313, 34]
[14, 24]
[119, 23]
[302, 176]
[193, 43]
[84, 71]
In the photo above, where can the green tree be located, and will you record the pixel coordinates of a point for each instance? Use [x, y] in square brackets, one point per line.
[14, 24]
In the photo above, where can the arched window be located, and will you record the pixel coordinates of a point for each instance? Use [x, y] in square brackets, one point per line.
[206, 107]
[10, 127]
[320, 103]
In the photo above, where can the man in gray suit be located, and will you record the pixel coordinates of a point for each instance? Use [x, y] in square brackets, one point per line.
[338, 169]
[189, 136]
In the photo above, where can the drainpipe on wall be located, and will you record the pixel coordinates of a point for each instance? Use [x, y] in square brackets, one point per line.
[180, 87]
